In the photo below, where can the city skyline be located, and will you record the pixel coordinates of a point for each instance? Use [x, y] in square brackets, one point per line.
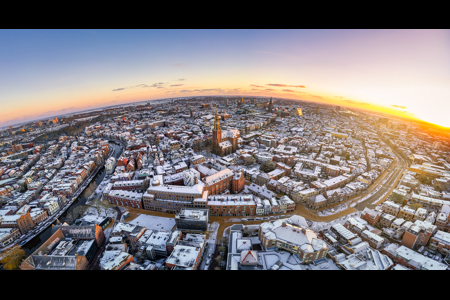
[53, 72]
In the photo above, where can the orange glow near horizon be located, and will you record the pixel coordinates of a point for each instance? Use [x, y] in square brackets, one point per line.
[99, 100]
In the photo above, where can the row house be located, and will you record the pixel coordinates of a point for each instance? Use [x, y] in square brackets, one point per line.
[125, 198]
[38, 215]
[81, 172]
[8, 235]
[66, 189]
[286, 204]
[391, 208]
[259, 207]
[231, 205]
[23, 222]
[51, 207]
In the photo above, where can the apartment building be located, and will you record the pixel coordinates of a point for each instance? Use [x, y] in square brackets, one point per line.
[407, 213]
[172, 198]
[391, 208]
[371, 216]
[418, 234]
[374, 240]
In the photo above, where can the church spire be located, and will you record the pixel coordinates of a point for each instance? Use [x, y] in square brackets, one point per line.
[217, 121]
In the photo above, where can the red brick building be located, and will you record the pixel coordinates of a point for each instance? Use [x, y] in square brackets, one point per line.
[23, 222]
[371, 216]
[220, 182]
[238, 183]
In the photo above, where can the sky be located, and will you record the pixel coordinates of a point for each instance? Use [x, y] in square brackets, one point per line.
[49, 72]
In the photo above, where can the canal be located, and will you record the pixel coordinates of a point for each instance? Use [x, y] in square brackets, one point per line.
[35, 243]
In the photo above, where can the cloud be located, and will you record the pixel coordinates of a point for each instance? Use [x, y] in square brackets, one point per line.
[255, 90]
[256, 85]
[177, 84]
[286, 90]
[339, 97]
[186, 91]
[159, 87]
[181, 79]
[399, 106]
[285, 85]
[270, 90]
[357, 102]
[142, 85]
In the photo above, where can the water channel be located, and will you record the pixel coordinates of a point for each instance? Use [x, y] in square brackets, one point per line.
[36, 242]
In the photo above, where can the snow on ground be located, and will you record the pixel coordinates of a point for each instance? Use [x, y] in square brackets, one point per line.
[92, 211]
[327, 212]
[212, 228]
[317, 226]
[153, 222]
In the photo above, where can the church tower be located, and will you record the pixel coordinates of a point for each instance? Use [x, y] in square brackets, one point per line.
[270, 105]
[216, 135]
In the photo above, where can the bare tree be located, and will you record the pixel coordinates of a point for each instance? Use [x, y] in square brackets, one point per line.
[100, 206]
